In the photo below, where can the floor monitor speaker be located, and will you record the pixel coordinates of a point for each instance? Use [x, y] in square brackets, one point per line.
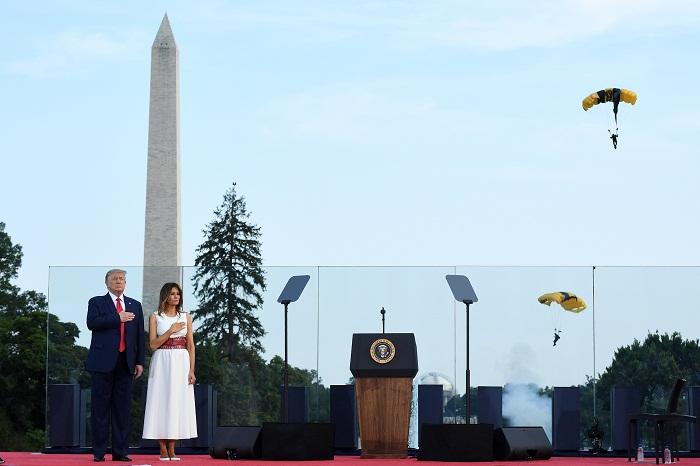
[521, 443]
[236, 442]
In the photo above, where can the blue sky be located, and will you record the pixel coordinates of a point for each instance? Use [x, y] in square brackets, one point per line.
[393, 133]
[360, 133]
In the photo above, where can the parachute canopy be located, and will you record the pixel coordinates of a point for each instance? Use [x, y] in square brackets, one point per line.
[611, 94]
[568, 301]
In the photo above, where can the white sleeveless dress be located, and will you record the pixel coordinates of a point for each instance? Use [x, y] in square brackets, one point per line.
[170, 410]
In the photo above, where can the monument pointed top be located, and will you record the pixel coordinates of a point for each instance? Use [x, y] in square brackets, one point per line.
[165, 38]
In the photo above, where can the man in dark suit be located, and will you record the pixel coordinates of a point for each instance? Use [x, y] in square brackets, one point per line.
[115, 359]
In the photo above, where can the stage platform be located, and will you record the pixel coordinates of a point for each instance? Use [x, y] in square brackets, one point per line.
[39, 459]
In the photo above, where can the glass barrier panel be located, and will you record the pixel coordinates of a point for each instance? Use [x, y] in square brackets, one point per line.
[511, 338]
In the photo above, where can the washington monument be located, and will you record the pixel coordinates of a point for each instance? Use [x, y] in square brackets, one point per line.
[161, 252]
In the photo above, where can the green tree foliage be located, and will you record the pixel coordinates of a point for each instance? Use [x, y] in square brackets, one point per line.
[229, 281]
[24, 326]
[652, 366]
[12, 300]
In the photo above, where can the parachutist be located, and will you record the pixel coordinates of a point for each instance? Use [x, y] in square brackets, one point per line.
[556, 336]
[613, 136]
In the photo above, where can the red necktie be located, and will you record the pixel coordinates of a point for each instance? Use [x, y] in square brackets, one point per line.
[122, 342]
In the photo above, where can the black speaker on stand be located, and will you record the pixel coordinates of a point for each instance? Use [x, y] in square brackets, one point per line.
[566, 419]
[694, 410]
[489, 405]
[429, 406]
[298, 399]
[623, 402]
[344, 416]
[64, 415]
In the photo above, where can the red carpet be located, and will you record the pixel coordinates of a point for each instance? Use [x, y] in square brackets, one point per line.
[37, 459]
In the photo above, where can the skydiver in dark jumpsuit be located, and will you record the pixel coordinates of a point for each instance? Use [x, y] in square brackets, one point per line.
[556, 336]
[613, 136]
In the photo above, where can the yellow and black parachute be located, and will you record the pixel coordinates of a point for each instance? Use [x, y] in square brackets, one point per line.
[611, 94]
[569, 301]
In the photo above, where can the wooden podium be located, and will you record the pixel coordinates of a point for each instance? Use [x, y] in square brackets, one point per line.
[384, 365]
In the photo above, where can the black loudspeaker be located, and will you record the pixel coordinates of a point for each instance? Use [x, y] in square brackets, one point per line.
[64, 415]
[204, 406]
[298, 404]
[85, 399]
[521, 443]
[344, 416]
[429, 406]
[694, 410]
[297, 441]
[623, 402]
[566, 418]
[489, 405]
[456, 442]
[236, 442]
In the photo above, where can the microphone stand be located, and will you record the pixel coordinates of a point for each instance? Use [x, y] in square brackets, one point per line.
[383, 312]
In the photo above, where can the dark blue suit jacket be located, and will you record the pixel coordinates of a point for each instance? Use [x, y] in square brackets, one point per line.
[103, 320]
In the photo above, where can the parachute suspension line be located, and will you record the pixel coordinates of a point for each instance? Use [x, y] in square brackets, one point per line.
[556, 319]
[593, 333]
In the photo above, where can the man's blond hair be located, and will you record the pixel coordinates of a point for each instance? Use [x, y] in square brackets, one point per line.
[112, 271]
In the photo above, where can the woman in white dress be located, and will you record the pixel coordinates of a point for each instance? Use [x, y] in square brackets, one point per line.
[170, 410]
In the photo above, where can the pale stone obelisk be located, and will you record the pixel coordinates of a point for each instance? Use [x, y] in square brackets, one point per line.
[161, 252]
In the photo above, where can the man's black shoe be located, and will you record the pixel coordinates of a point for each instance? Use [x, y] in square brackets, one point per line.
[120, 458]
[99, 458]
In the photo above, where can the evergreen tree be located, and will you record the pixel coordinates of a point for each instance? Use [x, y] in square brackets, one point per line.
[229, 280]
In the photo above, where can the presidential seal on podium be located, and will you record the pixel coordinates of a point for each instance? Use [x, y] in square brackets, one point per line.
[382, 351]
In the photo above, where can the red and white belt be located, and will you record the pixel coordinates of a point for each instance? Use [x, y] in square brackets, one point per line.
[175, 343]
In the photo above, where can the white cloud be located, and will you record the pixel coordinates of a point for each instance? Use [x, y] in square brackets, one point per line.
[548, 23]
[71, 52]
[496, 25]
